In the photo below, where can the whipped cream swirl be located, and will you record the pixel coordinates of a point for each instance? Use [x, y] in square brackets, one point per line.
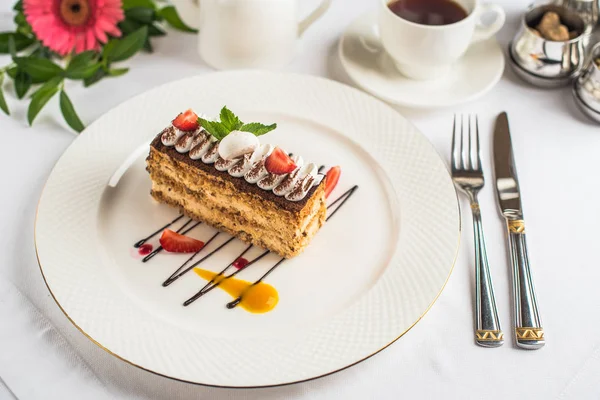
[200, 145]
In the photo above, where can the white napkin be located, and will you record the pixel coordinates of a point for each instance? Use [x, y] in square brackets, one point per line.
[31, 346]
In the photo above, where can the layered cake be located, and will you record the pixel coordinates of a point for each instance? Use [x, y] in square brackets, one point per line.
[217, 172]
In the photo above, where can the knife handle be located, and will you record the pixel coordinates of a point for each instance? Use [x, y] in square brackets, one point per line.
[528, 325]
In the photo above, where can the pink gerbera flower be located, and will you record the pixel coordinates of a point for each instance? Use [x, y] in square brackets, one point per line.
[73, 25]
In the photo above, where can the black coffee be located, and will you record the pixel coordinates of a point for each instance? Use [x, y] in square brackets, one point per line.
[428, 12]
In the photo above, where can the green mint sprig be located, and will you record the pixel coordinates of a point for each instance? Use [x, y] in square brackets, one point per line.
[230, 122]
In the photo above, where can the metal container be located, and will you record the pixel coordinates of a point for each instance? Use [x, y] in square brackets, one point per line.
[586, 88]
[588, 10]
[556, 63]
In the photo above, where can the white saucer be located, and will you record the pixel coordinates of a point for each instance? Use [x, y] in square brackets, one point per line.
[369, 66]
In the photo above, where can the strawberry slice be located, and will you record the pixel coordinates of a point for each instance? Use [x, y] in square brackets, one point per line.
[331, 179]
[279, 162]
[173, 242]
[186, 121]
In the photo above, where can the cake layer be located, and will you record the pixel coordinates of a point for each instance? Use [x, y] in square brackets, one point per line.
[247, 215]
[222, 220]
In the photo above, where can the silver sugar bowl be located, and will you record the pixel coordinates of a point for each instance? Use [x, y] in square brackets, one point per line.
[543, 62]
[586, 89]
[588, 10]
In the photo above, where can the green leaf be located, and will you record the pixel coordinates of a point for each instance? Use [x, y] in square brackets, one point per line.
[21, 41]
[82, 59]
[141, 14]
[13, 71]
[129, 26]
[229, 120]
[155, 30]
[22, 83]
[117, 71]
[257, 128]
[170, 15]
[23, 26]
[82, 66]
[41, 97]
[214, 128]
[68, 112]
[127, 4]
[39, 68]
[98, 75]
[12, 47]
[128, 46]
[85, 72]
[18, 6]
[3, 104]
[108, 48]
[148, 46]
[43, 52]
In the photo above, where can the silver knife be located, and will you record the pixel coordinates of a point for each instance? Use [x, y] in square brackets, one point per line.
[528, 326]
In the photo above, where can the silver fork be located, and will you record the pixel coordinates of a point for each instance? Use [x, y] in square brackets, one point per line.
[467, 175]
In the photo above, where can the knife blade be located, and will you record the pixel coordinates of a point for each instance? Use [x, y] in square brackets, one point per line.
[507, 182]
[529, 333]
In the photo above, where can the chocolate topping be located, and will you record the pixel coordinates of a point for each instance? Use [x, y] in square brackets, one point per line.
[239, 183]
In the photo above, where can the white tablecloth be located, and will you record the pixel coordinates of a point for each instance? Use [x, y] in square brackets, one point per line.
[557, 151]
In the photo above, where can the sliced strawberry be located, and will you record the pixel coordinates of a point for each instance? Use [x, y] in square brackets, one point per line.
[279, 162]
[331, 179]
[173, 242]
[186, 121]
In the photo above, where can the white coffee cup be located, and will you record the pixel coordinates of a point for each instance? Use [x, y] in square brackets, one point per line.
[247, 33]
[425, 52]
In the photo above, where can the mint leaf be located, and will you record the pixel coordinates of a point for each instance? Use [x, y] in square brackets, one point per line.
[229, 120]
[257, 128]
[214, 128]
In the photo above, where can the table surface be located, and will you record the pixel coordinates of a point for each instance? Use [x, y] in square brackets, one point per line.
[556, 148]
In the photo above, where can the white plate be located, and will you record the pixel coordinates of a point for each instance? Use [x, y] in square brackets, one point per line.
[369, 66]
[368, 276]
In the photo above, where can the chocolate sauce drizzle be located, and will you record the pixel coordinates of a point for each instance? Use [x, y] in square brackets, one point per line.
[180, 230]
[180, 271]
[207, 288]
[184, 268]
[144, 240]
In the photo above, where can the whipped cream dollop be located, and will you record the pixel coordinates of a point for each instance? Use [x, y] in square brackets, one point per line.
[236, 144]
[242, 156]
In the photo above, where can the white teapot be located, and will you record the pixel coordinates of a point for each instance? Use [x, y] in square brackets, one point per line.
[247, 33]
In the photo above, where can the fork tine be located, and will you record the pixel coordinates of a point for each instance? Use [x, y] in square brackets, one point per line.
[470, 153]
[453, 160]
[477, 145]
[464, 159]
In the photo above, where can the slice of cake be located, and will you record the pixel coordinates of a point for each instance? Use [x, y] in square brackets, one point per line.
[218, 172]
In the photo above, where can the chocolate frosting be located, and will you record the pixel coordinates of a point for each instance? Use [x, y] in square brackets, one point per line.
[239, 183]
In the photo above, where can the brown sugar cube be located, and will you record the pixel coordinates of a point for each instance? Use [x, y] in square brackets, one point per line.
[549, 20]
[551, 28]
[573, 34]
